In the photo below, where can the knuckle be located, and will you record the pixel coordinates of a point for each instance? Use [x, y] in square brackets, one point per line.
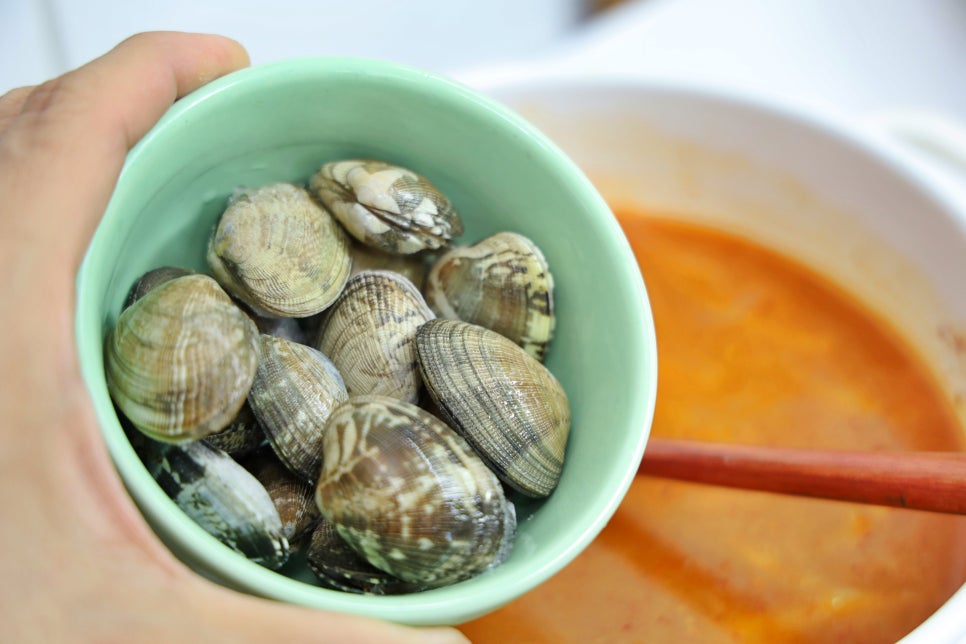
[11, 104]
[44, 95]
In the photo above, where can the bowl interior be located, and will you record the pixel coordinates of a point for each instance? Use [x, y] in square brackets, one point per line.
[280, 122]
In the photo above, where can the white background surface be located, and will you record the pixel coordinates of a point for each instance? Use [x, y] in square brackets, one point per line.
[857, 57]
[860, 56]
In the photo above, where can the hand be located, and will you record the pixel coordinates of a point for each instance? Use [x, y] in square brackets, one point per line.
[77, 560]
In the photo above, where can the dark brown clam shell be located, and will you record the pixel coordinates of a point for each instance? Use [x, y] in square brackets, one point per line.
[294, 497]
[340, 567]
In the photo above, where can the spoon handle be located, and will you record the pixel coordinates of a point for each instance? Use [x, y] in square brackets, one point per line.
[934, 481]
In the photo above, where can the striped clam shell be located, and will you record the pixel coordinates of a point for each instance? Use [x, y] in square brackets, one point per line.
[181, 359]
[368, 333]
[502, 283]
[242, 435]
[407, 493]
[220, 495]
[279, 251]
[386, 206]
[295, 389]
[508, 406]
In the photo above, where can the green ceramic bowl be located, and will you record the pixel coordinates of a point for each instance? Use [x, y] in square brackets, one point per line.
[280, 122]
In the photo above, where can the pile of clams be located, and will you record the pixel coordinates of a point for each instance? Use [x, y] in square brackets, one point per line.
[347, 382]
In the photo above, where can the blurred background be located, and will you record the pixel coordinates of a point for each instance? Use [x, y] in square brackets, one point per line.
[861, 58]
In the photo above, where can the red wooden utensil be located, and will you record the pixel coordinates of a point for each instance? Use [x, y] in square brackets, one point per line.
[934, 481]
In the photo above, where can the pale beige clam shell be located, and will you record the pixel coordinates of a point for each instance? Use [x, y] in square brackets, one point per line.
[506, 404]
[386, 206]
[180, 360]
[280, 252]
[408, 493]
[502, 283]
[295, 389]
[368, 334]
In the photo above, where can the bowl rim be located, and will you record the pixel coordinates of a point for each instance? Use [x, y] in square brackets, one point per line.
[449, 605]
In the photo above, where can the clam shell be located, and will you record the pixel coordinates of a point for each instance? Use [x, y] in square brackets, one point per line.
[338, 566]
[220, 495]
[368, 333]
[412, 267]
[180, 360]
[278, 251]
[242, 435]
[288, 328]
[408, 494]
[502, 283]
[151, 279]
[295, 389]
[294, 498]
[386, 206]
[508, 406]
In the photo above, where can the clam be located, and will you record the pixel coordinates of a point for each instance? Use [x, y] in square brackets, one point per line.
[278, 251]
[242, 435]
[340, 567]
[368, 333]
[386, 206]
[295, 389]
[151, 279]
[294, 498]
[412, 267]
[407, 493]
[502, 283]
[180, 360]
[288, 328]
[220, 495]
[507, 405]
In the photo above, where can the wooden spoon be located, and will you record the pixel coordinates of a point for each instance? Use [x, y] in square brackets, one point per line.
[934, 481]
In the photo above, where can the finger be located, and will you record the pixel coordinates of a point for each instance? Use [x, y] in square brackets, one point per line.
[127, 90]
[11, 103]
[61, 155]
[59, 160]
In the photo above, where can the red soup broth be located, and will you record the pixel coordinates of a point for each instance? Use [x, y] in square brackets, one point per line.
[755, 349]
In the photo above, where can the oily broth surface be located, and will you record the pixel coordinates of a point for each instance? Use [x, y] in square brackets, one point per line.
[755, 349]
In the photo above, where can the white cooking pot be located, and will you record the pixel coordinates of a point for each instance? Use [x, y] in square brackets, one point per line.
[853, 203]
